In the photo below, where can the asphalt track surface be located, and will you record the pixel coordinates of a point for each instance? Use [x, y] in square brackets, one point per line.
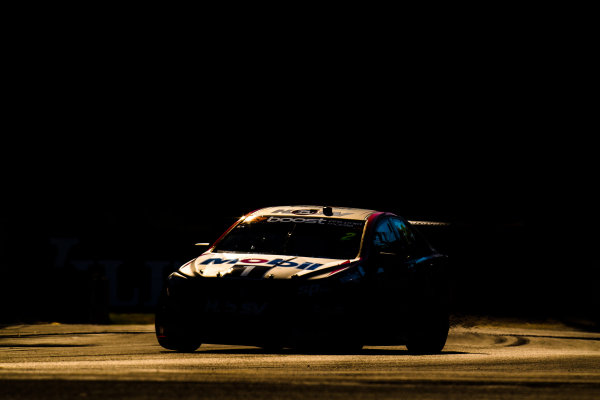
[487, 361]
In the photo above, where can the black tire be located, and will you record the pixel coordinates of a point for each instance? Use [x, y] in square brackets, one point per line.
[173, 332]
[428, 332]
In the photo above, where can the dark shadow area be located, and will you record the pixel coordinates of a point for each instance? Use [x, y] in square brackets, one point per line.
[49, 389]
[291, 351]
[104, 243]
[582, 324]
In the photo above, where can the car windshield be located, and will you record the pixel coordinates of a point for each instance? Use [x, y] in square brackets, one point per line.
[295, 236]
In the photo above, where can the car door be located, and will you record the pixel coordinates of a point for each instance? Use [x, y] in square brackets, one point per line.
[403, 272]
[387, 270]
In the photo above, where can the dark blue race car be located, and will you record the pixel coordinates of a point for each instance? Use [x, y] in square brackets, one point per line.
[310, 277]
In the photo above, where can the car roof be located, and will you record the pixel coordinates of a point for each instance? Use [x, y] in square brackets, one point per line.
[312, 210]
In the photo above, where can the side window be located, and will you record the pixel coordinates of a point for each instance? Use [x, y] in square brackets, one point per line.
[385, 239]
[407, 237]
[410, 239]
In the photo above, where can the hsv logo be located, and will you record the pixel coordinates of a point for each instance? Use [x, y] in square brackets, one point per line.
[307, 212]
[303, 212]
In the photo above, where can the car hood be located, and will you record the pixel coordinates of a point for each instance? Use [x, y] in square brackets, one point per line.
[257, 266]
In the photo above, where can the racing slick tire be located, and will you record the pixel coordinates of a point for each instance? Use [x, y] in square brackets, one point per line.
[172, 330]
[428, 332]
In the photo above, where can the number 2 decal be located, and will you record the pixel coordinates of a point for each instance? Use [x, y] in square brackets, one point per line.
[348, 236]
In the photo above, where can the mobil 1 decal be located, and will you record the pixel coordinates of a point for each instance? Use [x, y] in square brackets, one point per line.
[278, 262]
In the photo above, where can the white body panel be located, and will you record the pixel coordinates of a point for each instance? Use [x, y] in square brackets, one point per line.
[315, 211]
[212, 265]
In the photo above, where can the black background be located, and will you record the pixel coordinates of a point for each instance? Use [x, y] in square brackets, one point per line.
[141, 140]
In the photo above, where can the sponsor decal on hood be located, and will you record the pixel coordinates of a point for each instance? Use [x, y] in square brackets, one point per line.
[255, 266]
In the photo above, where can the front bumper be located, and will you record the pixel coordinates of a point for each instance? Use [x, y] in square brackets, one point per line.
[269, 311]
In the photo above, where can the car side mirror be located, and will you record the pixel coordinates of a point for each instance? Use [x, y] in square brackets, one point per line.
[384, 257]
[392, 262]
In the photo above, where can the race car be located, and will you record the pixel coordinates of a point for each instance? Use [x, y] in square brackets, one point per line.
[310, 277]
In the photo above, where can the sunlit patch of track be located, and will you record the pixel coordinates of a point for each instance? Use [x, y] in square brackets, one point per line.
[508, 361]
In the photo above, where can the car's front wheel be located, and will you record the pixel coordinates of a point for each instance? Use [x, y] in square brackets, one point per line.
[428, 332]
[173, 332]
